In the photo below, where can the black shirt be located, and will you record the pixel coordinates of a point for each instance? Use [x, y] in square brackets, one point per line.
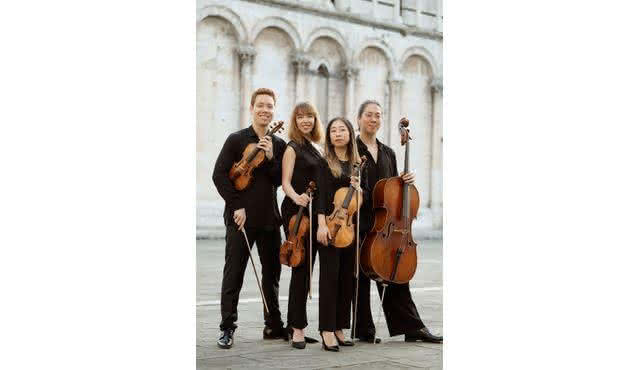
[259, 198]
[373, 171]
[309, 166]
[331, 184]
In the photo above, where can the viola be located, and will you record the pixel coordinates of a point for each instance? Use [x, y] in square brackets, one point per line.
[389, 251]
[241, 173]
[292, 250]
[340, 223]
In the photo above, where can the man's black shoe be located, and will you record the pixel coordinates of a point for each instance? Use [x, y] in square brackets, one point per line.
[226, 339]
[369, 338]
[422, 335]
[271, 333]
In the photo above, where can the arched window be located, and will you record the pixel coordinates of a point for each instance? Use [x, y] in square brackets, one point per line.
[323, 92]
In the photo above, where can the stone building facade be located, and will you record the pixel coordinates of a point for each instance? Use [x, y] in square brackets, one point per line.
[334, 54]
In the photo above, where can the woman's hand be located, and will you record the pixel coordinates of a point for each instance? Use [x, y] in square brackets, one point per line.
[323, 234]
[301, 199]
[355, 182]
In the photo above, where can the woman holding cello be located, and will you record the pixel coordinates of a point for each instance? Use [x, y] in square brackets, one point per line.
[336, 264]
[301, 164]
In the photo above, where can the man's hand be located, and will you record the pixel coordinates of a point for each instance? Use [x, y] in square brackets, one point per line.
[239, 217]
[409, 177]
[266, 145]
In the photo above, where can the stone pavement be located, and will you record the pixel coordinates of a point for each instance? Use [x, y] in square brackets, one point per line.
[251, 351]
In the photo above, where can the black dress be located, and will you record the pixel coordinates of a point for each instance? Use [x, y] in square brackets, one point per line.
[336, 264]
[308, 167]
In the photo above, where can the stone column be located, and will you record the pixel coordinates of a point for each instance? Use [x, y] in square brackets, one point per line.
[374, 11]
[436, 166]
[301, 65]
[246, 55]
[350, 74]
[393, 134]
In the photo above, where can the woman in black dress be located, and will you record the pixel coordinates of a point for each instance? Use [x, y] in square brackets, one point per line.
[302, 162]
[336, 264]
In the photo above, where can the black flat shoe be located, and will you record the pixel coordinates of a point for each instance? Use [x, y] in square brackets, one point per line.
[329, 348]
[298, 345]
[226, 339]
[346, 343]
[369, 339]
[422, 335]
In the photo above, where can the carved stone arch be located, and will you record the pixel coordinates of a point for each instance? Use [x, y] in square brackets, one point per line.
[424, 53]
[279, 23]
[330, 33]
[228, 15]
[382, 46]
[314, 64]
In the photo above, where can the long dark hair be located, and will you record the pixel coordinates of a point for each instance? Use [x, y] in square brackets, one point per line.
[330, 152]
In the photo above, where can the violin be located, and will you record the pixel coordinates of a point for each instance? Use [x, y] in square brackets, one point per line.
[340, 223]
[389, 251]
[242, 171]
[292, 250]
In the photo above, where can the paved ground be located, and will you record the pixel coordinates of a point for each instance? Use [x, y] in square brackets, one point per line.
[251, 351]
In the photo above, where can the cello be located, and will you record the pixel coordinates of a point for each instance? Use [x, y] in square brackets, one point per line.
[389, 251]
[344, 206]
[252, 157]
[292, 250]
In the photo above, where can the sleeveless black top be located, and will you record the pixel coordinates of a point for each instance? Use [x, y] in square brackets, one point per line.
[309, 166]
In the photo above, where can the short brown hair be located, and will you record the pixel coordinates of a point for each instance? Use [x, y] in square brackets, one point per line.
[294, 132]
[263, 91]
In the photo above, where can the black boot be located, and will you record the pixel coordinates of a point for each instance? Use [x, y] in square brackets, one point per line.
[422, 335]
[226, 339]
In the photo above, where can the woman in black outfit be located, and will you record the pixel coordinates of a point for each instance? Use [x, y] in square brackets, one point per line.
[336, 264]
[302, 162]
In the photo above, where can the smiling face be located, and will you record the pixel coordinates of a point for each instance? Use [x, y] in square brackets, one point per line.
[339, 134]
[305, 122]
[262, 110]
[370, 120]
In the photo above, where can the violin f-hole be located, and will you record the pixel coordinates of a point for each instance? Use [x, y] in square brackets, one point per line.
[387, 232]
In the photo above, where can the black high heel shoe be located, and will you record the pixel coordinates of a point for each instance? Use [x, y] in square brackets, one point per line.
[329, 348]
[346, 343]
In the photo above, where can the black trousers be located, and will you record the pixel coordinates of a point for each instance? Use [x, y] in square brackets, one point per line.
[299, 285]
[236, 258]
[399, 309]
[336, 287]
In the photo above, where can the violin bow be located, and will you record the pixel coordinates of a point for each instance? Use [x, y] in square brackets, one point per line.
[264, 302]
[310, 241]
[357, 268]
[357, 262]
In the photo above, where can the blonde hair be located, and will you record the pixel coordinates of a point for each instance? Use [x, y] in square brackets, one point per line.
[330, 152]
[294, 132]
